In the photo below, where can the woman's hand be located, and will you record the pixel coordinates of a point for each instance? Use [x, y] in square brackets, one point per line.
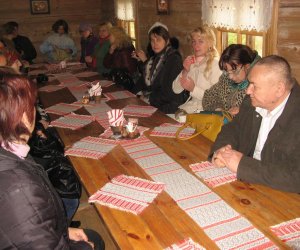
[187, 83]
[234, 111]
[188, 62]
[112, 48]
[78, 234]
[88, 59]
[139, 55]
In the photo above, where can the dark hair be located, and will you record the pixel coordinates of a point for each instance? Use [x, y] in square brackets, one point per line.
[14, 24]
[174, 42]
[236, 54]
[160, 31]
[17, 95]
[279, 65]
[58, 23]
[8, 28]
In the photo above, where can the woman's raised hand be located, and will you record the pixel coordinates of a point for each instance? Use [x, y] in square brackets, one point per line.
[139, 55]
[188, 62]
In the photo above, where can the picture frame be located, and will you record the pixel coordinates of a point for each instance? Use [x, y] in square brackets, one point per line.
[163, 7]
[38, 7]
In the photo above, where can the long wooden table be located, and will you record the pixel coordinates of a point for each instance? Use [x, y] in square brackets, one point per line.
[163, 223]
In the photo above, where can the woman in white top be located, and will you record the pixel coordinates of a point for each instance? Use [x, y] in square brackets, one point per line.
[201, 70]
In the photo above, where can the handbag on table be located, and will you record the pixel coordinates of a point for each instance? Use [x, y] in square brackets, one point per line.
[206, 123]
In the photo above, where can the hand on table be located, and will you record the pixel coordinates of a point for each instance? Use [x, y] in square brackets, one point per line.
[227, 157]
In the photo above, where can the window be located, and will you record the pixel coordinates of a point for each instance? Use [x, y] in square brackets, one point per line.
[125, 13]
[237, 21]
[254, 40]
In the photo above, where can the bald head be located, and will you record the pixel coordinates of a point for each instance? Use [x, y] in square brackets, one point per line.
[278, 66]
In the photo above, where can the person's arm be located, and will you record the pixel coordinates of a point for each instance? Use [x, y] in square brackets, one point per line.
[46, 46]
[170, 101]
[127, 61]
[72, 47]
[212, 97]
[176, 86]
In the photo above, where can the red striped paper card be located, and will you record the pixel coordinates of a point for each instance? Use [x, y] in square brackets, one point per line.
[108, 132]
[62, 108]
[119, 95]
[289, 232]
[212, 175]
[169, 130]
[72, 121]
[91, 147]
[139, 111]
[127, 193]
[186, 244]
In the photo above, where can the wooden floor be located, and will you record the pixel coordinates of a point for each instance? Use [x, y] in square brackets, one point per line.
[89, 218]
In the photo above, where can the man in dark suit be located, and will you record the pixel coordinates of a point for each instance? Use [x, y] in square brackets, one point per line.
[262, 143]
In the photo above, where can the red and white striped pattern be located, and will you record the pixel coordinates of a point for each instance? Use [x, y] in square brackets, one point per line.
[139, 111]
[289, 232]
[127, 193]
[169, 130]
[63, 108]
[72, 121]
[119, 95]
[186, 244]
[213, 175]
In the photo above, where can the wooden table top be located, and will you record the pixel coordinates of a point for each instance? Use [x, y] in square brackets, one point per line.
[163, 223]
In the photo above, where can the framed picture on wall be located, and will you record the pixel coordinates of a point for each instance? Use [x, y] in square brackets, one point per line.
[39, 7]
[162, 7]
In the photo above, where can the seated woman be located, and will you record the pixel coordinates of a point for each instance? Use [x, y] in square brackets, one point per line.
[101, 48]
[88, 42]
[31, 212]
[161, 69]
[200, 70]
[12, 58]
[119, 54]
[59, 46]
[236, 61]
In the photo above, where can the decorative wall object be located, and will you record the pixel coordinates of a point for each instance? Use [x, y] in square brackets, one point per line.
[163, 7]
[39, 7]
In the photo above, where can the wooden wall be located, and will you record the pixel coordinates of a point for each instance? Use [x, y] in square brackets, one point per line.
[288, 33]
[37, 27]
[184, 16]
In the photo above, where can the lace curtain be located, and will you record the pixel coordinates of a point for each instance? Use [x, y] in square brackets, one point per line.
[125, 9]
[238, 14]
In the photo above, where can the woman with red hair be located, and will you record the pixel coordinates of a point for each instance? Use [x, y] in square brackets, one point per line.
[32, 215]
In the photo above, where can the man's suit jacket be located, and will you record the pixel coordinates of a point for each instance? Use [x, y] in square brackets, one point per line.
[279, 166]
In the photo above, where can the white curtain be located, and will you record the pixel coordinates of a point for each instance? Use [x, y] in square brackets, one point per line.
[238, 14]
[125, 9]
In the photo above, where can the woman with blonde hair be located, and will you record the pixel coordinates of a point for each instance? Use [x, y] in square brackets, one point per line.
[119, 54]
[200, 70]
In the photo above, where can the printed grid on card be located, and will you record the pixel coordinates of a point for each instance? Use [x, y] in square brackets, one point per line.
[91, 147]
[289, 232]
[186, 244]
[118, 95]
[62, 108]
[212, 175]
[205, 207]
[72, 121]
[169, 130]
[127, 193]
[94, 109]
[139, 111]
[51, 88]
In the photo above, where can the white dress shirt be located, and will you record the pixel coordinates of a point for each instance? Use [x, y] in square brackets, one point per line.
[267, 123]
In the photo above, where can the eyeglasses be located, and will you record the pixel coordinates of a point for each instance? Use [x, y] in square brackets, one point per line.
[233, 72]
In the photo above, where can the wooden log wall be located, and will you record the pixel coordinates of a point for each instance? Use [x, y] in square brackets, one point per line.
[37, 27]
[184, 16]
[288, 33]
